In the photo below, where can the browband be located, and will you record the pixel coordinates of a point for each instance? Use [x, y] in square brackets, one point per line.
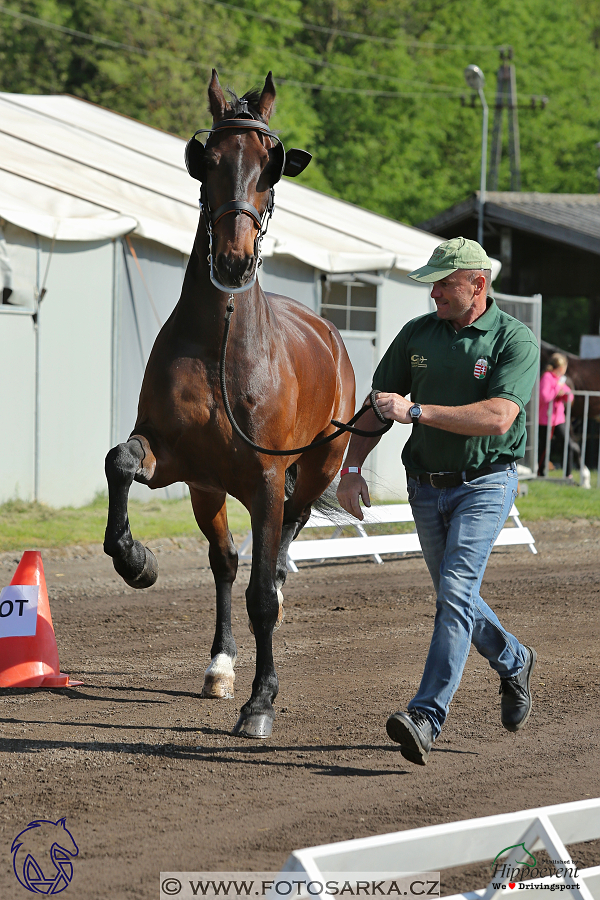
[250, 124]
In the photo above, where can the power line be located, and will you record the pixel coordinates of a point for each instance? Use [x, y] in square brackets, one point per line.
[309, 26]
[444, 88]
[63, 28]
[44, 23]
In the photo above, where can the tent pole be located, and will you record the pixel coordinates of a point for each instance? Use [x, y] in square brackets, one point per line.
[115, 348]
[36, 330]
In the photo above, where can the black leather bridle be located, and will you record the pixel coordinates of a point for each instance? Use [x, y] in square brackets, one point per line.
[291, 163]
[194, 154]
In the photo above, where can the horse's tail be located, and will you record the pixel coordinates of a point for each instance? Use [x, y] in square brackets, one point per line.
[327, 504]
[291, 475]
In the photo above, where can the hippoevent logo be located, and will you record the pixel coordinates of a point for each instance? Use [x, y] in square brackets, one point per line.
[42, 855]
[529, 861]
[525, 871]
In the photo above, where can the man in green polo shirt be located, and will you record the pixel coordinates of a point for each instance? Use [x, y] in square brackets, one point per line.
[470, 369]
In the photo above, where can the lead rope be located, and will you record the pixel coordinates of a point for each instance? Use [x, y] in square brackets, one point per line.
[342, 428]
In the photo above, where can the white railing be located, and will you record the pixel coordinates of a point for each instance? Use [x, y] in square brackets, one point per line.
[460, 844]
[335, 547]
[586, 410]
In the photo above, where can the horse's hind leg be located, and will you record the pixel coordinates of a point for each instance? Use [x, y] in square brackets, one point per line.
[135, 563]
[305, 483]
[211, 515]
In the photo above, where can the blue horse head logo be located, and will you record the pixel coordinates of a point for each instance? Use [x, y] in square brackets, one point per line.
[57, 842]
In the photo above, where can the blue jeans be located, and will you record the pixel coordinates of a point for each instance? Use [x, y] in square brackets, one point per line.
[457, 528]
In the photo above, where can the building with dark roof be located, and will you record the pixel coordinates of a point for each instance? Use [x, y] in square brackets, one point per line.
[548, 244]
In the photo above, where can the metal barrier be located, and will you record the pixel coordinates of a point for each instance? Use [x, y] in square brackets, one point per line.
[583, 470]
[529, 311]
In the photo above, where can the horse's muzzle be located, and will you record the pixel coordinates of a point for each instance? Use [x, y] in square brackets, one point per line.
[234, 271]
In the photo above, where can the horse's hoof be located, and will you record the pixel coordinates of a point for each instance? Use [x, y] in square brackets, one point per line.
[217, 688]
[280, 615]
[219, 678]
[257, 725]
[149, 573]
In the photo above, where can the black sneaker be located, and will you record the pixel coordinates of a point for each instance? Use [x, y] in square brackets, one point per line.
[413, 731]
[516, 702]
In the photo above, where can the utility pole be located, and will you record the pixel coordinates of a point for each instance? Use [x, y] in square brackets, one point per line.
[506, 98]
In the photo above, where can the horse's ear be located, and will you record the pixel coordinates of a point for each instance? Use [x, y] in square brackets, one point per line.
[217, 103]
[267, 98]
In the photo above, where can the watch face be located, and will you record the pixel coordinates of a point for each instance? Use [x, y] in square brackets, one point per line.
[415, 411]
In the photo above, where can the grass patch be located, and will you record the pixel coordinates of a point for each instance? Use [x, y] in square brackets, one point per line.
[34, 525]
[552, 499]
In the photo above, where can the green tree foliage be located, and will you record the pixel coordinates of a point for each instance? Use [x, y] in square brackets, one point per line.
[371, 87]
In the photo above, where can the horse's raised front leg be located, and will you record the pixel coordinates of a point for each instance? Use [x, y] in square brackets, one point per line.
[135, 563]
[211, 515]
[257, 715]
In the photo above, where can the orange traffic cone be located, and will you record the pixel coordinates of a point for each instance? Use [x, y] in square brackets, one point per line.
[28, 651]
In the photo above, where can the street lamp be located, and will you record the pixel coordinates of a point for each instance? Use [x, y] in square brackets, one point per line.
[475, 80]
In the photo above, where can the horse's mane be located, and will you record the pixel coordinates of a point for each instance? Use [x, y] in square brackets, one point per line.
[237, 105]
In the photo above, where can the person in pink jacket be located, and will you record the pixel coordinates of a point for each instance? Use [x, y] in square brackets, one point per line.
[553, 386]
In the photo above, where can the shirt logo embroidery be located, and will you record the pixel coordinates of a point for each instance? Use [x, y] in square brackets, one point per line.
[418, 361]
[481, 367]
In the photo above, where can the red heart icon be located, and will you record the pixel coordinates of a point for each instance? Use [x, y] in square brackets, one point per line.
[511, 884]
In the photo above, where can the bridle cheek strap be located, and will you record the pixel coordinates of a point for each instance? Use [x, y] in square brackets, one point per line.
[235, 206]
[238, 206]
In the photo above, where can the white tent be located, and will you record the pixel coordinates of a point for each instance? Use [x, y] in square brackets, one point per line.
[76, 171]
[77, 178]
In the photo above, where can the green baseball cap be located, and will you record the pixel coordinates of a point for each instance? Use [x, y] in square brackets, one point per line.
[457, 253]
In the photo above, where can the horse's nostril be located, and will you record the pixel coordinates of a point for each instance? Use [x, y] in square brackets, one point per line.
[234, 270]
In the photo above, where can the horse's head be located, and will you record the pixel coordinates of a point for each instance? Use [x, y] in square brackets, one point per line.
[238, 166]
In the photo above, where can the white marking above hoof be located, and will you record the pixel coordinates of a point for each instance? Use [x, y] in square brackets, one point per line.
[281, 613]
[219, 678]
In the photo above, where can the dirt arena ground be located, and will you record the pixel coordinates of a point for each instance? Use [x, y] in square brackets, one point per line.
[149, 777]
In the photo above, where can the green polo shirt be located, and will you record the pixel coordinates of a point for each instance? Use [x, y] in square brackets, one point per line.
[496, 356]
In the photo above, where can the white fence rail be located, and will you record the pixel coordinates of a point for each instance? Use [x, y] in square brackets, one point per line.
[336, 547]
[584, 475]
[456, 844]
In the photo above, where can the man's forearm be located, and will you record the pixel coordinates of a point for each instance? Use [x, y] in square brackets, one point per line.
[360, 447]
[488, 417]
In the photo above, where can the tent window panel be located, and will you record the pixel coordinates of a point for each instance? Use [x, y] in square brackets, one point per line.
[338, 295]
[350, 305]
[363, 295]
[361, 320]
[337, 316]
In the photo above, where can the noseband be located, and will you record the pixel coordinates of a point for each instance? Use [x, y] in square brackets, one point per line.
[239, 206]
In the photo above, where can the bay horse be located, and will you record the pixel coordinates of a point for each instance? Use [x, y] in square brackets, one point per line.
[287, 376]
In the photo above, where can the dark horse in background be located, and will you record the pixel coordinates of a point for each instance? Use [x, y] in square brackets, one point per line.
[287, 375]
[582, 375]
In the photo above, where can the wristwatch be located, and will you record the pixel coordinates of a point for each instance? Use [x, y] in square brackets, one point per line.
[415, 412]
